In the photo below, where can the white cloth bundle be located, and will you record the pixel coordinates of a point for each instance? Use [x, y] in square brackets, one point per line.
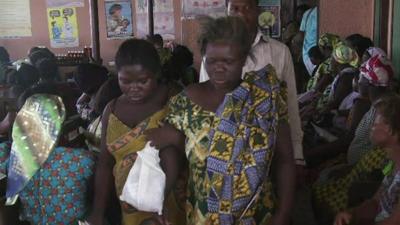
[144, 188]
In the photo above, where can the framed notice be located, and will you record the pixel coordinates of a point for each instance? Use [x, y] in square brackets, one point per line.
[195, 8]
[63, 27]
[119, 19]
[269, 20]
[15, 19]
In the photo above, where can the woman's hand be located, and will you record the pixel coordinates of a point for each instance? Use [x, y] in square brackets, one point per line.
[165, 136]
[343, 218]
[95, 219]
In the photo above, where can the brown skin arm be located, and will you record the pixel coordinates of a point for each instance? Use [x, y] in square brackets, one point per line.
[166, 136]
[325, 80]
[284, 171]
[344, 88]
[7, 123]
[321, 153]
[393, 219]
[103, 177]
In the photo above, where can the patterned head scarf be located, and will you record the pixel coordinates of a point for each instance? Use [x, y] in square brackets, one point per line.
[35, 134]
[329, 40]
[374, 51]
[345, 55]
[378, 71]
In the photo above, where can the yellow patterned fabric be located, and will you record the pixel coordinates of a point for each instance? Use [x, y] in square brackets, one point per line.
[123, 143]
[206, 142]
[332, 196]
[323, 70]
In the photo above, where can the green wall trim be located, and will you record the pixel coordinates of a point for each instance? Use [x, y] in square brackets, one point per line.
[396, 37]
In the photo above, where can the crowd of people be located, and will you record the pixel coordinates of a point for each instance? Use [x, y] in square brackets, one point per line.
[236, 139]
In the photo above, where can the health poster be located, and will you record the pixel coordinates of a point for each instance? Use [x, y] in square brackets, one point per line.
[270, 18]
[63, 27]
[65, 3]
[164, 21]
[119, 19]
[15, 19]
[195, 8]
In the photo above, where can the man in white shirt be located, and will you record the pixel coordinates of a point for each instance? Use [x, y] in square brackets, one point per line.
[269, 51]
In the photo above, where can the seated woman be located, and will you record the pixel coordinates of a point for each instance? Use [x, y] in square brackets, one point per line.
[384, 207]
[231, 130]
[359, 43]
[322, 77]
[337, 185]
[371, 52]
[107, 92]
[24, 78]
[179, 67]
[4, 64]
[355, 142]
[89, 78]
[50, 181]
[48, 71]
[125, 119]
[343, 63]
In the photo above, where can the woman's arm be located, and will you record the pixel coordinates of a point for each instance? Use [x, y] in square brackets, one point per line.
[166, 136]
[104, 177]
[343, 89]
[284, 170]
[7, 123]
[393, 219]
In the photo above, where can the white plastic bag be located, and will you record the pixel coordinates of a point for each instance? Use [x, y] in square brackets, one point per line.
[145, 185]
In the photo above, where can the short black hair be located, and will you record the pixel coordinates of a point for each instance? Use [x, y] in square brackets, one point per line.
[47, 68]
[315, 52]
[230, 29]
[360, 43]
[114, 8]
[39, 54]
[107, 92]
[26, 76]
[4, 56]
[89, 77]
[302, 7]
[156, 39]
[138, 52]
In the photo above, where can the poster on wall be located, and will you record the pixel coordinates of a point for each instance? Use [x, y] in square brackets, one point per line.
[65, 3]
[164, 22]
[195, 8]
[119, 19]
[270, 18]
[15, 19]
[63, 27]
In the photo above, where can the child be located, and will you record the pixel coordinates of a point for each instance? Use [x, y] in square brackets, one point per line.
[383, 208]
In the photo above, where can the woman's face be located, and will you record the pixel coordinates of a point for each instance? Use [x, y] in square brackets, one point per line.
[365, 56]
[136, 83]
[363, 86]
[381, 134]
[224, 64]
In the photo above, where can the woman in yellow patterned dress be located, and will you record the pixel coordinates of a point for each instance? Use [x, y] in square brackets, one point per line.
[230, 129]
[140, 107]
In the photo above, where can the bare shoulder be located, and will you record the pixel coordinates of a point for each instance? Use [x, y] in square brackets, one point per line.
[195, 89]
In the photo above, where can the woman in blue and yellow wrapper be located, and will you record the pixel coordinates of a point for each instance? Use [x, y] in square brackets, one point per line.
[230, 130]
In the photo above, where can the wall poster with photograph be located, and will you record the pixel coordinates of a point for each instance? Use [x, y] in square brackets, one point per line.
[119, 19]
[63, 27]
[195, 8]
[270, 18]
[164, 21]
